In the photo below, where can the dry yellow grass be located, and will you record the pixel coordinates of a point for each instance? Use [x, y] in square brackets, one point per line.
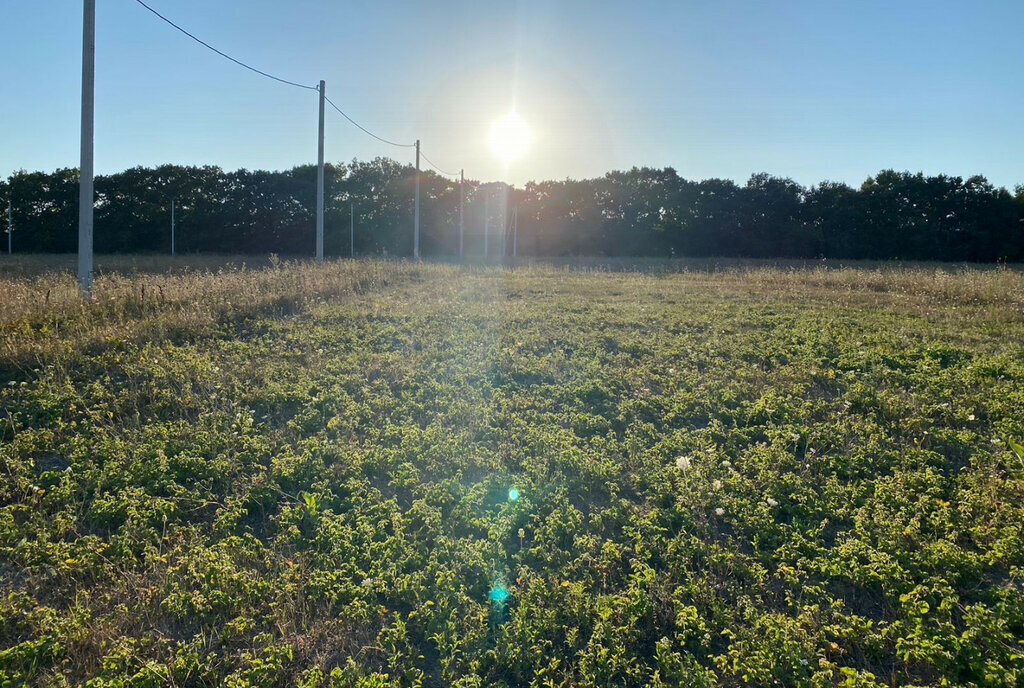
[153, 296]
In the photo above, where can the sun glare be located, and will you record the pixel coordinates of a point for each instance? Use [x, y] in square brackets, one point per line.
[510, 137]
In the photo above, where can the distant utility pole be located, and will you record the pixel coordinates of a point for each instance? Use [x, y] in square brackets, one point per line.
[416, 221]
[515, 231]
[462, 205]
[10, 226]
[352, 229]
[487, 220]
[172, 226]
[85, 180]
[320, 180]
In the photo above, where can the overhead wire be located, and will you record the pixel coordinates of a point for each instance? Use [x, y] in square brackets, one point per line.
[225, 55]
[292, 83]
[450, 174]
[364, 129]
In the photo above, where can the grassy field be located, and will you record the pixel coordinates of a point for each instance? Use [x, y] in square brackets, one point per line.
[391, 474]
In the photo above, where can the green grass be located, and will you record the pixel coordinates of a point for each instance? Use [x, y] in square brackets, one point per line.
[728, 474]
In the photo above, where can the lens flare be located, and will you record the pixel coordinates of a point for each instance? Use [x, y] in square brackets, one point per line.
[513, 494]
[498, 594]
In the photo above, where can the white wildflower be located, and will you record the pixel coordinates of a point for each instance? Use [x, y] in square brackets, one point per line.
[771, 502]
[367, 582]
[970, 417]
[717, 484]
[794, 436]
[683, 462]
[727, 463]
[996, 440]
[719, 511]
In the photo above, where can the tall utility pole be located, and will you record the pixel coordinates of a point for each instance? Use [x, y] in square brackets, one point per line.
[10, 226]
[352, 229]
[320, 180]
[487, 220]
[85, 180]
[172, 226]
[416, 222]
[462, 207]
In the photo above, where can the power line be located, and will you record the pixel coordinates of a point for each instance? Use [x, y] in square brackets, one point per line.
[297, 85]
[223, 54]
[450, 174]
[365, 130]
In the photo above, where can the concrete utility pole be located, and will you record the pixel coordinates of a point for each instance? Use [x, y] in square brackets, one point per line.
[320, 180]
[352, 229]
[487, 220]
[416, 222]
[10, 226]
[172, 226]
[85, 180]
[462, 206]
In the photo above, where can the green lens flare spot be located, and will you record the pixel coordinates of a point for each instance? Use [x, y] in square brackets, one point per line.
[513, 494]
[498, 594]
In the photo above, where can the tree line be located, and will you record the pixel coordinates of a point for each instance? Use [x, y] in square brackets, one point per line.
[639, 212]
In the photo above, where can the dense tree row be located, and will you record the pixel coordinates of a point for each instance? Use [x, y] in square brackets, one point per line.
[640, 212]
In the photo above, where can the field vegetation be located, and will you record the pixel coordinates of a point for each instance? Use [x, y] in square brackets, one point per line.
[383, 474]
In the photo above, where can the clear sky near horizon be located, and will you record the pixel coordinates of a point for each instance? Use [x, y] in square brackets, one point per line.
[805, 89]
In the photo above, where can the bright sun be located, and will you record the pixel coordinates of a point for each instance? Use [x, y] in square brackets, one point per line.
[510, 137]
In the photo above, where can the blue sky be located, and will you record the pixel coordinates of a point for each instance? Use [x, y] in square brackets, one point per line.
[809, 90]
